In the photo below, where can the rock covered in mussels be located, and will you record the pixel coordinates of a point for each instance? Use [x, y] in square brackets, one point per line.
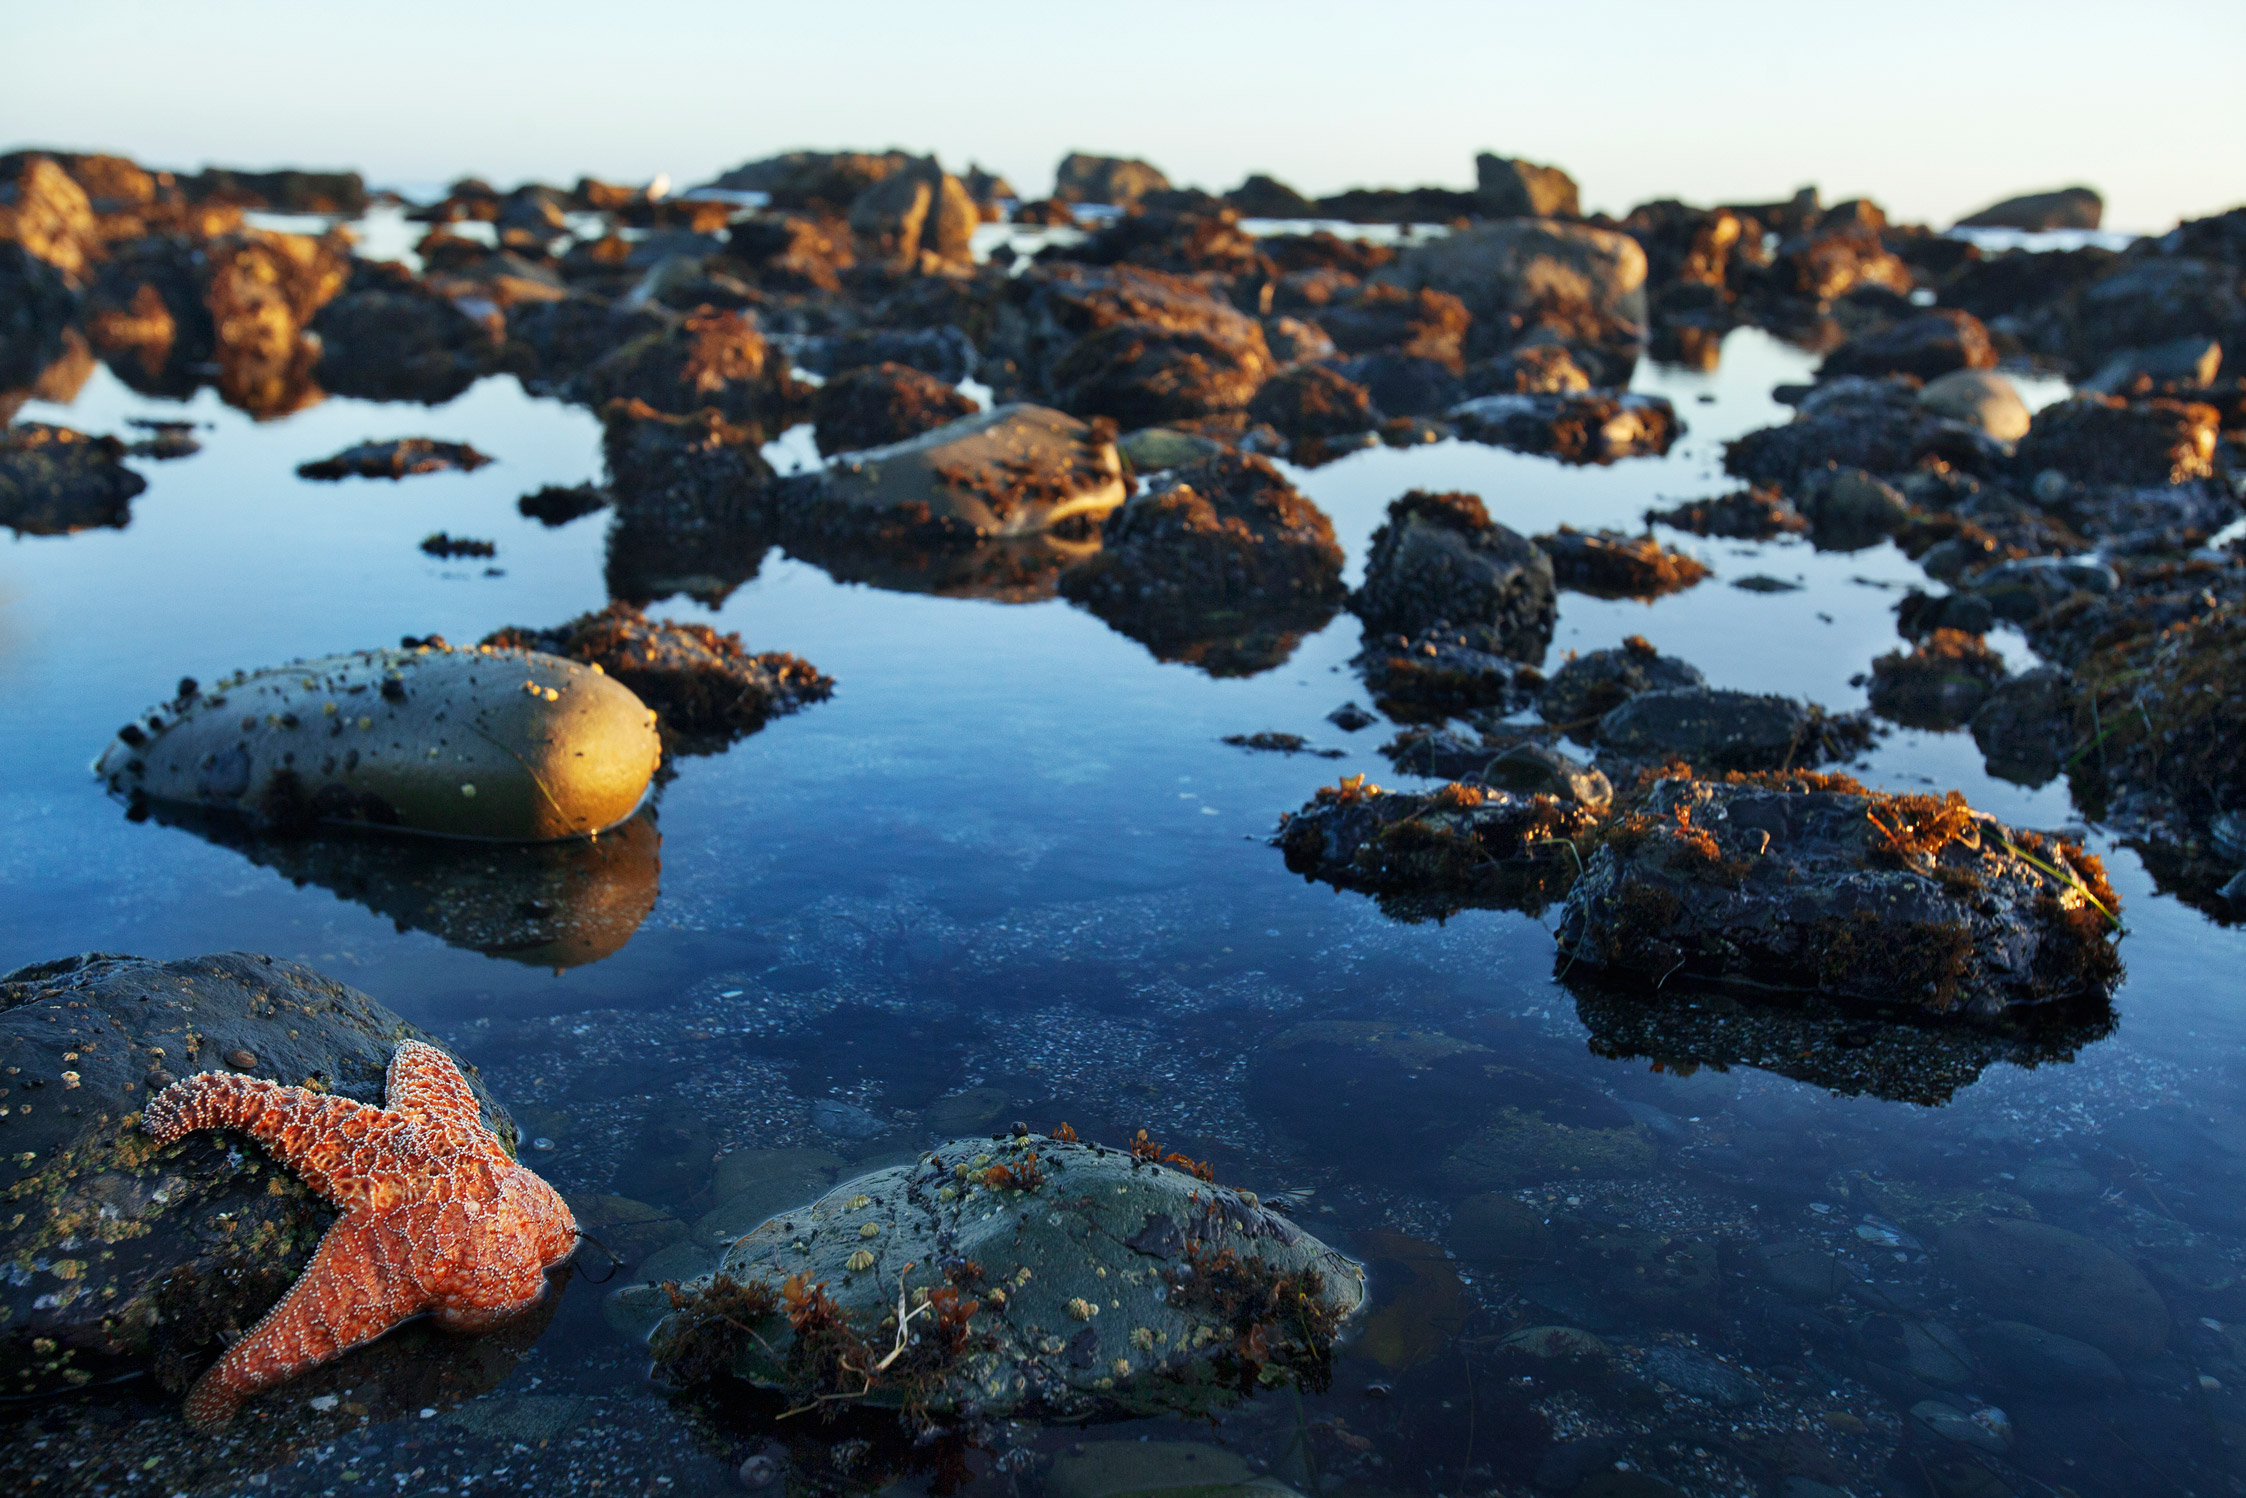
[1802, 881]
[483, 743]
[122, 1253]
[1038, 1274]
[1440, 558]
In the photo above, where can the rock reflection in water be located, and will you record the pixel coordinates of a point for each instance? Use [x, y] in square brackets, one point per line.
[1847, 1049]
[1220, 641]
[1015, 569]
[556, 905]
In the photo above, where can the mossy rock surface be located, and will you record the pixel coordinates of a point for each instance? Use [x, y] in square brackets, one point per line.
[1114, 1286]
[507, 744]
[118, 1253]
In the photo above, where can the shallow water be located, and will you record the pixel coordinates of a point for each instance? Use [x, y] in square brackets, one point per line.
[1012, 854]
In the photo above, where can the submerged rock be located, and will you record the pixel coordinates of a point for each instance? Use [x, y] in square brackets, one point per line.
[1430, 854]
[1440, 558]
[706, 688]
[2024, 727]
[1041, 1276]
[129, 1255]
[481, 743]
[394, 460]
[1592, 426]
[1721, 729]
[1849, 509]
[1609, 564]
[1940, 684]
[874, 405]
[1012, 471]
[54, 480]
[1218, 550]
[1799, 881]
[2059, 1281]
[1754, 514]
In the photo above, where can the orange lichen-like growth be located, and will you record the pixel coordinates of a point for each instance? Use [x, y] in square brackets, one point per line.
[437, 1217]
[1022, 1175]
[1144, 1148]
[1064, 1133]
[1458, 796]
[1197, 1169]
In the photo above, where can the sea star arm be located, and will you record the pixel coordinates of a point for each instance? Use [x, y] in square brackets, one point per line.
[425, 1083]
[314, 1134]
[349, 1294]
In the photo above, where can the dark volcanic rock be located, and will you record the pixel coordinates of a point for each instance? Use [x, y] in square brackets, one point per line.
[1052, 310]
[2105, 439]
[1440, 558]
[1859, 423]
[1221, 562]
[1426, 323]
[1312, 400]
[557, 505]
[707, 688]
[1404, 384]
[1754, 514]
[1531, 369]
[1141, 374]
[1592, 426]
[1609, 564]
[1809, 882]
[401, 345]
[1582, 285]
[136, 1256]
[1927, 346]
[1715, 728]
[1428, 855]
[689, 475]
[1822, 266]
[1267, 197]
[710, 359]
[550, 342]
[1587, 687]
[1441, 671]
[945, 352]
[1940, 684]
[2143, 300]
[36, 305]
[54, 480]
[2024, 728]
[395, 459]
[877, 404]
[2066, 208]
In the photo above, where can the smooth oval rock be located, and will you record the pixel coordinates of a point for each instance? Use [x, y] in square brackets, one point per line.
[1059, 1277]
[1981, 396]
[2059, 1281]
[502, 744]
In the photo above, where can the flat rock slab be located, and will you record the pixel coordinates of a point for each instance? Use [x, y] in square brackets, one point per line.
[394, 460]
[122, 1253]
[509, 744]
[1112, 1284]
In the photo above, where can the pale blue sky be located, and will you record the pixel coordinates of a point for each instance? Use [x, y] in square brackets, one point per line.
[1933, 108]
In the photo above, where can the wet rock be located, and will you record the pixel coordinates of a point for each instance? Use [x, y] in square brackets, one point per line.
[548, 343]
[1009, 1238]
[1295, 341]
[1940, 684]
[921, 216]
[1921, 614]
[261, 292]
[447, 547]
[557, 505]
[878, 404]
[1443, 670]
[709, 360]
[1261, 196]
[1349, 717]
[706, 688]
[1809, 882]
[1983, 1430]
[461, 743]
[1185, 234]
[2104, 439]
[698, 481]
[1609, 564]
[1824, 265]
[945, 352]
[1531, 369]
[1404, 384]
[1591, 685]
[132, 1256]
[1516, 276]
[2027, 587]
[753, 1186]
[1849, 509]
[1212, 559]
[1425, 323]
[1312, 400]
[1428, 855]
[1596, 426]
[1755, 514]
[286, 190]
[401, 345]
[1981, 397]
[395, 459]
[1011, 471]
[1139, 345]
[1720, 729]
[2066, 208]
[1440, 558]
[54, 480]
[1150, 450]
[2028, 1357]
[2059, 1281]
[47, 213]
[1925, 346]
[841, 1120]
[552, 905]
[2141, 301]
[1852, 422]
[1117, 180]
[1513, 188]
[36, 306]
[1702, 1377]
[2192, 360]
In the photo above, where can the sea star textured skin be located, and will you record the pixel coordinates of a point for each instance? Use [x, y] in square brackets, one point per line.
[436, 1217]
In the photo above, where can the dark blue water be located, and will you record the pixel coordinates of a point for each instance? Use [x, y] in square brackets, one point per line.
[1012, 854]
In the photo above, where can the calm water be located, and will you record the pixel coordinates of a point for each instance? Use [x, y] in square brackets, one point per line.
[1011, 854]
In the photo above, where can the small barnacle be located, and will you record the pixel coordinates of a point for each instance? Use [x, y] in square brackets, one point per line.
[858, 1203]
[1142, 1338]
[1122, 1367]
[1082, 1309]
[859, 1260]
[960, 1171]
[946, 1194]
[870, 1230]
[69, 1079]
[1051, 1345]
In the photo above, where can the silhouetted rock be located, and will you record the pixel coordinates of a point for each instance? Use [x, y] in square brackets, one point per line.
[1717, 729]
[1754, 514]
[395, 459]
[1609, 564]
[1442, 671]
[1512, 188]
[2067, 208]
[400, 345]
[1588, 686]
[1267, 197]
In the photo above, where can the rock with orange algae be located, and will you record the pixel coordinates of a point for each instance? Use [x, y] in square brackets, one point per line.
[1585, 426]
[437, 1218]
[1609, 564]
[1441, 558]
[508, 744]
[148, 1258]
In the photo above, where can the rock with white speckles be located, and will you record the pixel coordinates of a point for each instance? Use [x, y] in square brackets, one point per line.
[501, 744]
[1039, 1275]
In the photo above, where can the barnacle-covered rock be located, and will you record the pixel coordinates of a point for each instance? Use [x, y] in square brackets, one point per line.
[125, 1254]
[1037, 1275]
[1725, 729]
[1430, 854]
[1808, 882]
[1439, 558]
[1609, 564]
[481, 743]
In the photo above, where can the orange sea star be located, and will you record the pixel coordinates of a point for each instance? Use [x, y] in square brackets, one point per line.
[437, 1218]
